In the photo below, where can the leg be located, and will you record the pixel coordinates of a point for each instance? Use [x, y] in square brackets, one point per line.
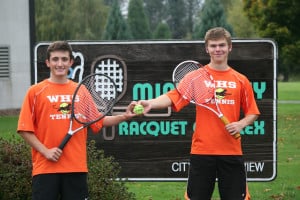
[202, 177]
[45, 187]
[231, 177]
[74, 186]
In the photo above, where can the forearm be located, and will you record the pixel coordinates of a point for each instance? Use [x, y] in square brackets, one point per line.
[236, 127]
[114, 120]
[52, 154]
[160, 102]
[33, 141]
[248, 119]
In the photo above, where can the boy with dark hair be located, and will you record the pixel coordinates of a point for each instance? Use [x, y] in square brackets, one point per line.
[43, 125]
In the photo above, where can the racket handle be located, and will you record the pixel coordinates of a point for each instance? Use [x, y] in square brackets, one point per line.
[65, 141]
[226, 121]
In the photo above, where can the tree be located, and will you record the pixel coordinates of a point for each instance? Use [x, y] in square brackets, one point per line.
[177, 18]
[138, 21]
[242, 27]
[70, 19]
[162, 32]
[155, 11]
[278, 19]
[88, 19]
[179, 15]
[116, 27]
[48, 18]
[193, 6]
[212, 15]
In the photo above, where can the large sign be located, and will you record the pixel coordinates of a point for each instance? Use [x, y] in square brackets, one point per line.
[156, 147]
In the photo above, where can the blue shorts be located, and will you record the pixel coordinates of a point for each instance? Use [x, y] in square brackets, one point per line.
[228, 170]
[64, 186]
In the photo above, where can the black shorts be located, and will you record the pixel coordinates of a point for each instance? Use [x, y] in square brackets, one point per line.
[228, 170]
[64, 186]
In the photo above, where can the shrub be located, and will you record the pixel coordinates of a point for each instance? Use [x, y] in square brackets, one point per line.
[103, 172]
[15, 169]
[15, 173]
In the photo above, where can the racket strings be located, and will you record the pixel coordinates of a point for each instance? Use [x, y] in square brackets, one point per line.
[182, 70]
[197, 86]
[96, 96]
[112, 68]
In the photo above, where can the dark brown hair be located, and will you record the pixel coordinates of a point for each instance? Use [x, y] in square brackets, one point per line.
[59, 46]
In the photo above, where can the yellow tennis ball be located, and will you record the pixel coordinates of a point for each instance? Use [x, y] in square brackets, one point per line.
[138, 109]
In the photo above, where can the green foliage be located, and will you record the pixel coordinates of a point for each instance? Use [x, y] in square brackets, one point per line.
[138, 21]
[279, 20]
[155, 11]
[177, 19]
[116, 27]
[212, 15]
[69, 19]
[103, 172]
[179, 15]
[15, 169]
[15, 173]
[162, 31]
[242, 27]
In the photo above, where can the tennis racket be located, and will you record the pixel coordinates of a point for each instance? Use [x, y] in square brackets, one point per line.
[196, 85]
[92, 100]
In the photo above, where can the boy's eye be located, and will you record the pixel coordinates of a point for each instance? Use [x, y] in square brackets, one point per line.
[55, 59]
[217, 45]
[64, 59]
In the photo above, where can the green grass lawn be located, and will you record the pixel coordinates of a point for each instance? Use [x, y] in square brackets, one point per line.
[8, 126]
[286, 186]
[288, 90]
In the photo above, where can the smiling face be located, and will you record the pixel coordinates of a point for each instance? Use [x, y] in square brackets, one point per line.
[218, 51]
[59, 60]
[218, 45]
[59, 63]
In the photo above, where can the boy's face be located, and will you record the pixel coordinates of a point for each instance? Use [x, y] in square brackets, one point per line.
[59, 63]
[218, 50]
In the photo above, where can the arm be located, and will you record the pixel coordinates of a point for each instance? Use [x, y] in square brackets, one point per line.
[236, 127]
[160, 102]
[116, 119]
[50, 154]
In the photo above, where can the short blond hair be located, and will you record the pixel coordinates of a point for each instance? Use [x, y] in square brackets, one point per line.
[217, 33]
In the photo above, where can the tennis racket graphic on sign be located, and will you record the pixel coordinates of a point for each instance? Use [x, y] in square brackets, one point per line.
[115, 68]
[196, 85]
[92, 100]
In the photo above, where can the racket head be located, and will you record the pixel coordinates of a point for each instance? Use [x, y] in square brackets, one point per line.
[114, 67]
[93, 98]
[193, 82]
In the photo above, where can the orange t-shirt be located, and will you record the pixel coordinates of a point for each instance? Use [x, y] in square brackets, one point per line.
[46, 113]
[210, 136]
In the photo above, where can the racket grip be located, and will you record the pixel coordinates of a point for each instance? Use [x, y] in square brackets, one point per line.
[65, 141]
[226, 121]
